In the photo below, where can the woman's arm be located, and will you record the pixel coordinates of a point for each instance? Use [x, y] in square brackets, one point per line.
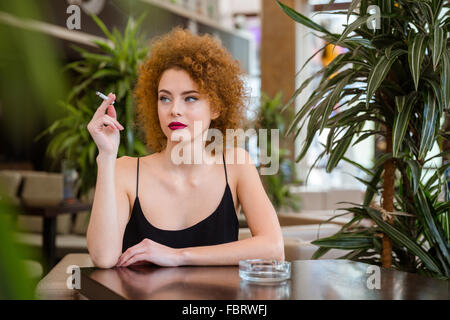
[109, 214]
[266, 241]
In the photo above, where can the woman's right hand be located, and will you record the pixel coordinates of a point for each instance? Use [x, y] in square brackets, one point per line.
[105, 129]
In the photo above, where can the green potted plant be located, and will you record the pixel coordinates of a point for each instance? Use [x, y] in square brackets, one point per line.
[40, 75]
[15, 279]
[278, 185]
[113, 69]
[395, 76]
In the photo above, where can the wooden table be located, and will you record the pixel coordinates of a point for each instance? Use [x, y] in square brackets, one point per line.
[49, 214]
[310, 280]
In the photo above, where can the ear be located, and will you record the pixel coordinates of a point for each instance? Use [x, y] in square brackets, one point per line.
[215, 114]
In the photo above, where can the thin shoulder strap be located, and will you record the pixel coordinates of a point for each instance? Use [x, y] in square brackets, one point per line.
[137, 177]
[223, 156]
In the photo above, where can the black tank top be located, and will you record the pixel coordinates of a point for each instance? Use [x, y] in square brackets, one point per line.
[221, 226]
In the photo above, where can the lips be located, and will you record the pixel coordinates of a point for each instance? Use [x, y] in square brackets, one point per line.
[176, 125]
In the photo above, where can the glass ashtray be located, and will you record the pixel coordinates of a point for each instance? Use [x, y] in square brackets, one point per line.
[264, 271]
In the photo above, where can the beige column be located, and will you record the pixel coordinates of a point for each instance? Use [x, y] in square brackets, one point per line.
[304, 49]
[277, 54]
[285, 47]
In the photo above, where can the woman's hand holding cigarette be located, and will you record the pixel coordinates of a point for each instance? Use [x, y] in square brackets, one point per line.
[105, 129]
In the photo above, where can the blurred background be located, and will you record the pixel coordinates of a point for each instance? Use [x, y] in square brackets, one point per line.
[55, 54]
[257, 33]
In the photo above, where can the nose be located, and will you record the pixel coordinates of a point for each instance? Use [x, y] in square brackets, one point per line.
[176, 108]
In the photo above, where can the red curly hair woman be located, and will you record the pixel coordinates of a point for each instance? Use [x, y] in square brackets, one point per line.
[153, 210]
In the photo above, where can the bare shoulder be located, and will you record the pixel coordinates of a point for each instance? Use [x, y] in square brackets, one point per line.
[126, 173]
[124, 163]
[126, 166]
[240, 162]
[238, 157]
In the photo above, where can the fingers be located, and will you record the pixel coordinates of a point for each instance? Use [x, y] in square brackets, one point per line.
[138, 258]
[129, 253]
[109, 124]
[109, 120]
[111, 111]
[102, 109]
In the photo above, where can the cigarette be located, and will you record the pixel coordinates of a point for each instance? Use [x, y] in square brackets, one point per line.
[101, 95]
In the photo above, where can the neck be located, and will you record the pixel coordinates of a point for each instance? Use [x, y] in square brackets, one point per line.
[188, 158]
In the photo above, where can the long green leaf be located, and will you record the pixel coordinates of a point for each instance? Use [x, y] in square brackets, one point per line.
[300, 89]
[338, 152]
[104, 46]
[320, 252]
[445, 78]
[332, 100]
[370, 186]
[400, 102]
[440, 154]
[436, 87]
[438, 44]
[416, 173]
[401, 120]
[439, 172]
[404, 240]
[359, 166]
[334, 65]
[309, 59]
[97, 57]
[352, 27]
[345, 241]
[103, 27]
[352, 7]
[430, 120]
[378, 74]
[416, 52]
[298, 17]
[365, 135]
[105, 73]
[434, 229]
[309, 139]
[313, 99]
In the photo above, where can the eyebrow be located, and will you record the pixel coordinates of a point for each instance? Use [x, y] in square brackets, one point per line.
[183, 93]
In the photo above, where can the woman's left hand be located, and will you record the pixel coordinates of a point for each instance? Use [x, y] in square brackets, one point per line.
[148, 251]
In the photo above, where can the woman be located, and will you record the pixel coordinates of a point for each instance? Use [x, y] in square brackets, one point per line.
[156, 210]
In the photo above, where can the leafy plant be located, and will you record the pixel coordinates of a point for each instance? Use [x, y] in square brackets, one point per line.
[40, 75]
[277, 185]
[114, 69]
[15, 280]
[396, 77]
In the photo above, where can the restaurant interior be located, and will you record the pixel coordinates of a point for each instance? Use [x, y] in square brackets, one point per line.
[361, 102]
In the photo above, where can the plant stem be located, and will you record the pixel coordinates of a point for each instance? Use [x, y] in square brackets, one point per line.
[408, 198]
[388, 200]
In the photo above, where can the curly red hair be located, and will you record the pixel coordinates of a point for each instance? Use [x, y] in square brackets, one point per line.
[216, 73]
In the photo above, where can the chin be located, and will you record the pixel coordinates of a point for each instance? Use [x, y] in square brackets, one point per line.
[179, 137]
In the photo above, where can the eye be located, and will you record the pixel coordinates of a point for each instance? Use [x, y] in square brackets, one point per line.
[162, 98]
[194, 99]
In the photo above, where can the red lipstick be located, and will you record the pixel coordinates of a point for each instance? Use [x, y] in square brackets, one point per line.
[176, 125]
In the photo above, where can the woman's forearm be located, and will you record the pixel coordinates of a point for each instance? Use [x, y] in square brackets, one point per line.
[257, 247]
[103, 237]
